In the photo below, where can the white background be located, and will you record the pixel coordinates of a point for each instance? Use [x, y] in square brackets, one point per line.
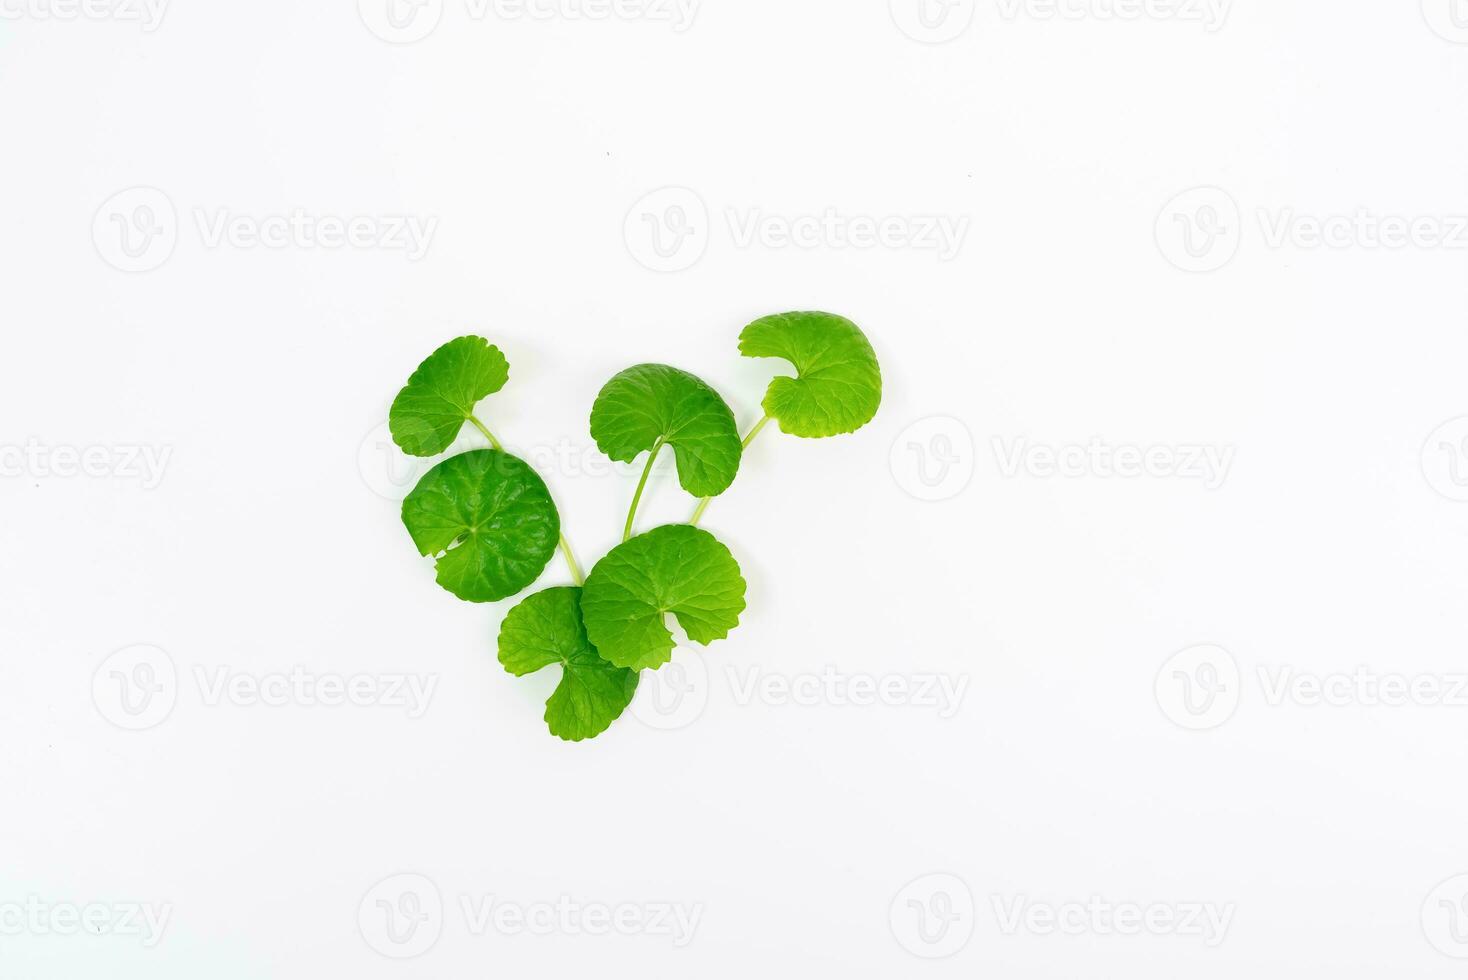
[1068, 770]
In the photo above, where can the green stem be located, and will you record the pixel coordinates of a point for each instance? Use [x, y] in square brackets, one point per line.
[703, 504]
[637, 497]
[755, 431]
[487, 434]
[576, 576]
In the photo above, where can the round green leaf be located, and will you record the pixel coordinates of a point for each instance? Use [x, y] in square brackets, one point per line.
[440, 396]
[674, 569]
[652, 404]
[488, 518]
[545, 629]
[838, 384]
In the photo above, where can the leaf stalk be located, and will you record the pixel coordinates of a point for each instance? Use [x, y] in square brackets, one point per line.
[652, 457]
[703, 504]
[576, 576]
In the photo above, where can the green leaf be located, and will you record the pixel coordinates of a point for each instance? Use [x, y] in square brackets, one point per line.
[489, 519]
[545, 629]
[653, 404]
[674, 569]
[440, 396]
[838, 384]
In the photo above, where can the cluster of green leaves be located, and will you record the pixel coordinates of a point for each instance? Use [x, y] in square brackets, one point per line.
[490, 524]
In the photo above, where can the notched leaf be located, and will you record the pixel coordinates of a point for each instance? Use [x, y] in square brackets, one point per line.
[546, 629]
[838, 384]
[652, 404]
[675, 569]
[489, 520]
[440, 396]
